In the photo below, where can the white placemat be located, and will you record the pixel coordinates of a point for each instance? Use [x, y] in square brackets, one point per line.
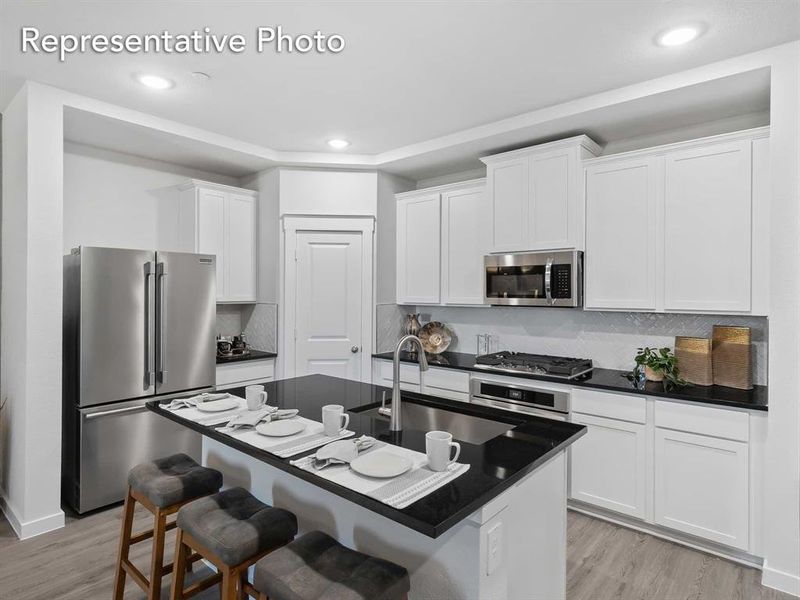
[398, 492]
[208, 418]
[308, 439]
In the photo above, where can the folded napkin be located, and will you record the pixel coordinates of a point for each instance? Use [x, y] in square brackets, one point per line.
[252, 418]
[194, 400]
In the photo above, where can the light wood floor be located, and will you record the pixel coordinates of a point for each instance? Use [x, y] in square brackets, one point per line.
[605, 562]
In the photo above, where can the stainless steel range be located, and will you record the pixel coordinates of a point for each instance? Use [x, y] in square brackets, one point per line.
[535, 364]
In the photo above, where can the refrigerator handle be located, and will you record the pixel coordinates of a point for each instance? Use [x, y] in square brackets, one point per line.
[161, 272]
[149, 350]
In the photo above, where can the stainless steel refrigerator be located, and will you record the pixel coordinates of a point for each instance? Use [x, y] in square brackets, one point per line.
[138, 324]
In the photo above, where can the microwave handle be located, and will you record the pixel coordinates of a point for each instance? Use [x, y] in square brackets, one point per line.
[548, 277]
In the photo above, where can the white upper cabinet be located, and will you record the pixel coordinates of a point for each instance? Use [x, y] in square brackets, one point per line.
[507, 183]
[707, 228]
[464, 217]
[620, 260]
[418, 249]
[680, 228]
[216, 219]
[535, 196]
[441, 240]
[241, 270]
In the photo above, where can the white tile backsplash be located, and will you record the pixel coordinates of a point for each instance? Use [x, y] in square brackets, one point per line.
[610, 339]
[261, 326]
[229, 319]
[390, 325]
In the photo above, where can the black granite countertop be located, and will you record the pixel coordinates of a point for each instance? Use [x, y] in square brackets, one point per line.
[495, 465]
[254, 355]
[611, 380]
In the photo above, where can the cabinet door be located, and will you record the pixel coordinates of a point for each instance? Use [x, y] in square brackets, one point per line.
[464, 231]
[418, 249]
[241, 249]
[701, 486]
[609, 465]
[620, 259]
[707, 236]
[211, 233]
[507, 185]
[552, 208]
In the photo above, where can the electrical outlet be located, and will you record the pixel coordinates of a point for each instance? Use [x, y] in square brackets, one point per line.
[494, 548]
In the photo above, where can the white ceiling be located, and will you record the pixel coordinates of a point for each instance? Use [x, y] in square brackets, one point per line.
[411, 71]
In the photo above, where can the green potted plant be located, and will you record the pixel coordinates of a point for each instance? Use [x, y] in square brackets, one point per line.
[659, 364]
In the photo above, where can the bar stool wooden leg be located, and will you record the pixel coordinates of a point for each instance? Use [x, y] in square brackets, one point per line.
[179, 567]
[230, 581]
[124, 545]
[157, 564]
[243, 595]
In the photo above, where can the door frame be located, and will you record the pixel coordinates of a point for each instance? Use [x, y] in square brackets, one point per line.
[292, 225]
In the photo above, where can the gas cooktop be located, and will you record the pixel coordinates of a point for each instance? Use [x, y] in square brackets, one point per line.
[536, 364]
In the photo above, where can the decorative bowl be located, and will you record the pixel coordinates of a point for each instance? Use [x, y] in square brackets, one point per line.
[435, 337]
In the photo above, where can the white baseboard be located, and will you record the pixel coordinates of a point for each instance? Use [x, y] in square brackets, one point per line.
[780, 580]
[29, 529]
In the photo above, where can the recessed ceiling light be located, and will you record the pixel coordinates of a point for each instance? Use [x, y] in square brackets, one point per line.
[200, 76]
[338, 144]
[678, 36]
[155, 82]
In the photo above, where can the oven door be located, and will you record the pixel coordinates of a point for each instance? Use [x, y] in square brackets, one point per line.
[533, 279]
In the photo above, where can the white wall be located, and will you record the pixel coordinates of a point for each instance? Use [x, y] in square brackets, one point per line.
[318, 192]
[108, 199]
[31, 311]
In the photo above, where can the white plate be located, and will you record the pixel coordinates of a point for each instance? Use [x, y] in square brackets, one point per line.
[281, 428]
[381, 464]
[218, 405]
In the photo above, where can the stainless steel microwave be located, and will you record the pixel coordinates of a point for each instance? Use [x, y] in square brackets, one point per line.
[534, 279]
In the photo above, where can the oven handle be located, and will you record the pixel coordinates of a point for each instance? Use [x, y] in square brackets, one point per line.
[548, 276]
[513, 407]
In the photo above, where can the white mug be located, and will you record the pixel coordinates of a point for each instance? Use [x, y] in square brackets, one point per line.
[334, 419]
[256, 397]
[437, 447]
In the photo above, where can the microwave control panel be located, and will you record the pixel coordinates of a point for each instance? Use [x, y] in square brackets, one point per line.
[562, 281]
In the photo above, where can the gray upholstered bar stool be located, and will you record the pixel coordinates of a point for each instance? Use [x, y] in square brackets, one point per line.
[317, 567]
[232, 530]
[162, 486]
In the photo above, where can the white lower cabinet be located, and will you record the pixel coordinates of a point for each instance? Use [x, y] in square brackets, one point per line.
[702, 486]
[681, 467]
[609, 467]
[246, 372]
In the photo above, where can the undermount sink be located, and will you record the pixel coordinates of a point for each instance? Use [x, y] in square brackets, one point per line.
[466, 428]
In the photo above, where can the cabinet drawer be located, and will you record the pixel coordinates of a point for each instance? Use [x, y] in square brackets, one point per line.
[447, 379]
[612, 406]
[245, 371]
[408, 373]
[703, 420]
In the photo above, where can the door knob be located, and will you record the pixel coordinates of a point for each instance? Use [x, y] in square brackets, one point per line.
[354, 349]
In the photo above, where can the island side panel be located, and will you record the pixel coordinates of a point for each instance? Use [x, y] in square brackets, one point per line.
[528, 559]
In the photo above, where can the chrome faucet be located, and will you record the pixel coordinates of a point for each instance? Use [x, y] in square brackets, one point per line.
[396, 419]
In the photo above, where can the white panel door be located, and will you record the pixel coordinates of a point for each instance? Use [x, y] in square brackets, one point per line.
[507, 185]
[418, 249]
[241, 251]
[465, 214]
[620, 261]
[552, 209]
[707, 220]
[211, 232]
[609, 467]
[329, 304]
[702, 486]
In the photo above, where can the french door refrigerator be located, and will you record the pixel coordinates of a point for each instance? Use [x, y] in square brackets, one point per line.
[138, 324]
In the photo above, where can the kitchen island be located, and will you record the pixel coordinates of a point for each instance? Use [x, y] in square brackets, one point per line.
[497, 531]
